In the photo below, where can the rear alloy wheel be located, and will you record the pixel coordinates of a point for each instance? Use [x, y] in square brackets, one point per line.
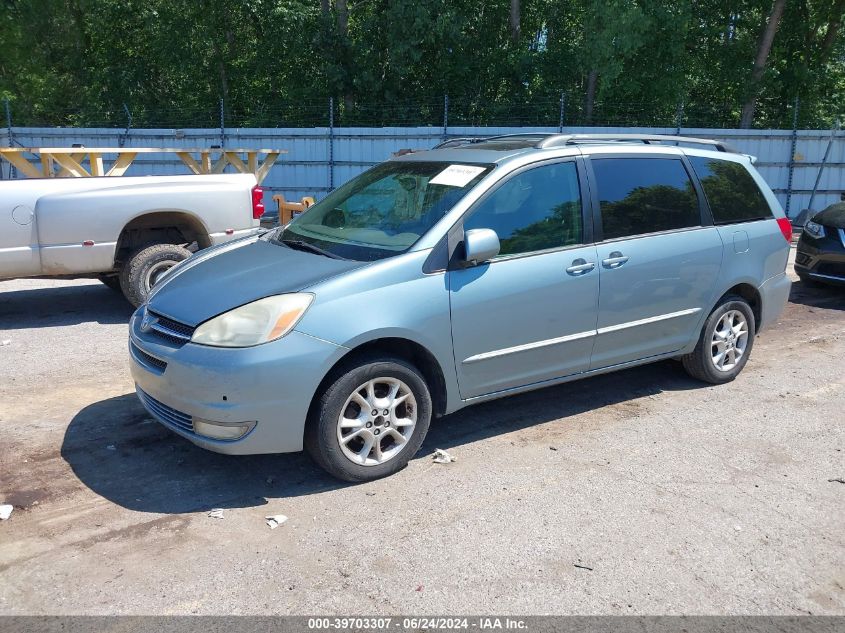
[145, 267]
[724, 344]
[729, 341]
[371, 420]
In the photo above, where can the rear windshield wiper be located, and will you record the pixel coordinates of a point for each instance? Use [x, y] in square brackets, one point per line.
[307, 246]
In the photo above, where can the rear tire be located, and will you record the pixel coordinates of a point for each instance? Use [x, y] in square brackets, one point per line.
[370, 420]
[111, 281]
[724, 344]
[145, 265]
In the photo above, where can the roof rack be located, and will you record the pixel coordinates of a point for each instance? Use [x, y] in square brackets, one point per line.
[530, 137]
[541, 140]
[559, 140]
[457, 142]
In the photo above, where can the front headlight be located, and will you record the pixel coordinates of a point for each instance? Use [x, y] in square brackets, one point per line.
[813, 229]
[254, 323]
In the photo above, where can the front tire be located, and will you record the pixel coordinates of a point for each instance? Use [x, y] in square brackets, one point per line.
[145, 266]
[725, 342]
[370, 420]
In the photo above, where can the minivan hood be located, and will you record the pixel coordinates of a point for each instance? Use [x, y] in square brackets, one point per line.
[833, 216]
[236, 276]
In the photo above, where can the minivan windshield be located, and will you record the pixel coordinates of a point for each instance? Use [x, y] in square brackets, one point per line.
[382, 212]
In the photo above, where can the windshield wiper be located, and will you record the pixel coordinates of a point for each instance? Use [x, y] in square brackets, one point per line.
[307, 246]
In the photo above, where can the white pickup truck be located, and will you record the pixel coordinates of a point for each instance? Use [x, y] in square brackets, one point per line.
[125, 231]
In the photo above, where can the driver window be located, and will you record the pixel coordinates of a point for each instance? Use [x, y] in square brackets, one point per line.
[535, 210]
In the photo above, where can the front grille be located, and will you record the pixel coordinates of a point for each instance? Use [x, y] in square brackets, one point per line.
[156, 365]
[166, 415]
[170, 330]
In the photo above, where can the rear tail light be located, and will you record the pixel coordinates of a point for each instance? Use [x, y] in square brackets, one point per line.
[257, 202]
[785, 227]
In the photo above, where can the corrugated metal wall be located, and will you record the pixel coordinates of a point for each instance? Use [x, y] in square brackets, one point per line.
[306, 168]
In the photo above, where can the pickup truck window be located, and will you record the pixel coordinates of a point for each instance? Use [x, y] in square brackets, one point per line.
[384, 211]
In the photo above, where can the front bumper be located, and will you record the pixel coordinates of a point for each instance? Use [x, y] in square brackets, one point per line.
[271, 385]
[822, 259]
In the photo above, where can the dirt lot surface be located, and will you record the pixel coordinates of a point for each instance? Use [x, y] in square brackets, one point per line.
[637, 492]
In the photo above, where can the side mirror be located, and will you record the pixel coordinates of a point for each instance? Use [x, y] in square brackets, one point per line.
[481, 245]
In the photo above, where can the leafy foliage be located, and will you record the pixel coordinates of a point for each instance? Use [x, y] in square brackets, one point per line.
[390, 62]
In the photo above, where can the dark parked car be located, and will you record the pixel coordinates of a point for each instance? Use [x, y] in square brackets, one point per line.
[821, 249]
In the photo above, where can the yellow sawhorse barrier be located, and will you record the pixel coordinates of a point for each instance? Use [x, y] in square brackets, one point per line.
[67, 162]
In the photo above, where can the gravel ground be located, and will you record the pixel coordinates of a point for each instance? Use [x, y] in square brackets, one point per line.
[638, 492]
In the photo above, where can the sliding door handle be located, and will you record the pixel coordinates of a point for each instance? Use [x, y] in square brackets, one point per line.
[615, 260]
[580, 266]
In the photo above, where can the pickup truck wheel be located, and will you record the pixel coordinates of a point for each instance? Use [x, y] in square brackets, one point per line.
[370, 420]
[145, 266]
[112, 281]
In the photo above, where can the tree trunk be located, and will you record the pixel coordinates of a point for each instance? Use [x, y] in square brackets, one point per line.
[515, 27]
[342, 13]
[833, 26]
[592, 81]
[764, 47]
[342, 18]
[82, 43]
[224, 82]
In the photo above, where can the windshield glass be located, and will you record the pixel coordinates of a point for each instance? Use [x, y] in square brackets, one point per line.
[382, 212]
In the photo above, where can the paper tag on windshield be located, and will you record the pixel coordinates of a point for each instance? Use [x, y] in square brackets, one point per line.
[456, 175]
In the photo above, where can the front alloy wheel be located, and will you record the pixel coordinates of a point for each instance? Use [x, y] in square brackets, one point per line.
[370, 419]
[377, 420]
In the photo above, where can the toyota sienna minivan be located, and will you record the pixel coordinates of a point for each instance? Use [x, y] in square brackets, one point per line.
[442, 278]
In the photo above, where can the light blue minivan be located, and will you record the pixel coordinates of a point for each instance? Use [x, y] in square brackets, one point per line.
[442, 278]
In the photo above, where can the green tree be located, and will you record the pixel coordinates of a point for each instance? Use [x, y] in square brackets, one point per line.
[276, 62]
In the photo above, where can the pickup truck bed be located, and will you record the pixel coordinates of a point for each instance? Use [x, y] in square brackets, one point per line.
[100, 226]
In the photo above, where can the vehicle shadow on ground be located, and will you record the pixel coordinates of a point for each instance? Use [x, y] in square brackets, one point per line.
[117, 451]
[828, 297]
[62, 305]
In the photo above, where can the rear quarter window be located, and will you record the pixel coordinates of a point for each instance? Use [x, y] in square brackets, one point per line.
[644, 195]
[731, 191]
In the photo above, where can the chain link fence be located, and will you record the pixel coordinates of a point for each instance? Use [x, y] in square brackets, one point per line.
[562, 110]
[330, 142]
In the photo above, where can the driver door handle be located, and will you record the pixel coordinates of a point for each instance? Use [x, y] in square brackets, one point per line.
[615, 260]
[580, 266]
